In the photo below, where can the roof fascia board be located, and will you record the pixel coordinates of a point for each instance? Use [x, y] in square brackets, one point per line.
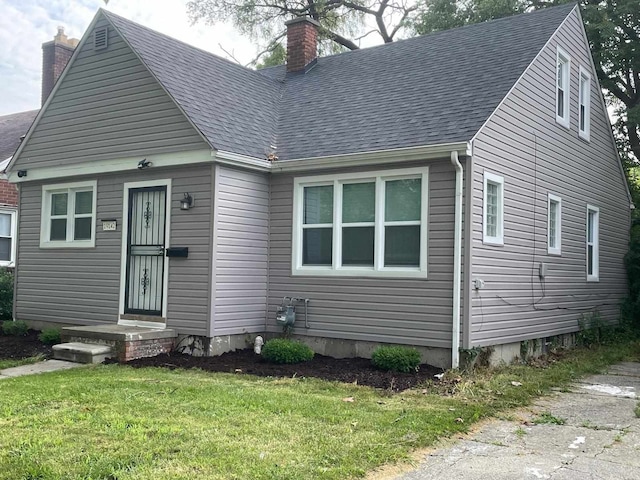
[135, 52]
[377, 157]
[56, 87]
[594, 76]
[236, 159]
[100, 167]
[517, 82]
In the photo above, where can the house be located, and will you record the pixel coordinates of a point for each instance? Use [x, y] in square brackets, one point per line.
[452, 191]
[13, 128]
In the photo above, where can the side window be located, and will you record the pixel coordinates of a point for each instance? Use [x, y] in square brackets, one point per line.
[7, 237]
[563, 72]
[593, 243]
[68, 215]
[554, 225]
[584, 121]
[493, 209]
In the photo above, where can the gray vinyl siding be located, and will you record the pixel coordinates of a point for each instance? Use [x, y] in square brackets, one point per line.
[390, 310]
[241, 251]
[82, 286]
[108, 106]
[536, 156]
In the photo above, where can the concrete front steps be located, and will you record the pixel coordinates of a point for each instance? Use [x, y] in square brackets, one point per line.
[94, 344]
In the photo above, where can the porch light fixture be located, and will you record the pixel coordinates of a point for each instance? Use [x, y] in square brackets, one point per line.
[187, 202]
[144, 163]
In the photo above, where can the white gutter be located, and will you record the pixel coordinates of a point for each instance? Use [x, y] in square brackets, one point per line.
[457, 263]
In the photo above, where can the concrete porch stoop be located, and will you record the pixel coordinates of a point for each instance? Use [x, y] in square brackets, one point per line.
[94, 344]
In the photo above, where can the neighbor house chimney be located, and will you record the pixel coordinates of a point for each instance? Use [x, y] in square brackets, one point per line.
[302, 43]
[55, 55]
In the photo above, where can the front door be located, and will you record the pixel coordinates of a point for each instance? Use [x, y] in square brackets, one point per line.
[144, 282]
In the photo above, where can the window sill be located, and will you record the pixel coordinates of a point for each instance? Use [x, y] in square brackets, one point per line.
[359, 272]
[77, 244]
[593, 278]
[554, 252]
[564, 122]
[495, 241]
[585, 136]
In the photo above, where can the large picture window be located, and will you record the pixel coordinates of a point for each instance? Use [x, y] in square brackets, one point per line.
[372, 223]
[68, 215]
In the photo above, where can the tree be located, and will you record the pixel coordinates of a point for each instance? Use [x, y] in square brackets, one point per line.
[342, 22]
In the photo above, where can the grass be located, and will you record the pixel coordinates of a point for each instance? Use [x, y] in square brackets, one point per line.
[22, 361]
[115, 422]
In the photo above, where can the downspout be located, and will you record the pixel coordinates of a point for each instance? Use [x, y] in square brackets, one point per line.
[457, 263]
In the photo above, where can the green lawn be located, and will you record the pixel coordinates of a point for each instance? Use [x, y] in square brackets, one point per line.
[22, 361]
[114, 422]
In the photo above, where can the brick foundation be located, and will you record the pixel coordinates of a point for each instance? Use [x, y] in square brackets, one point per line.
[144, 348]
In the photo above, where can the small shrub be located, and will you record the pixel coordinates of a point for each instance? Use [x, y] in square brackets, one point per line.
[6, 294]
[17, 328]
[283, 350]
[50, 336]
[396, 358]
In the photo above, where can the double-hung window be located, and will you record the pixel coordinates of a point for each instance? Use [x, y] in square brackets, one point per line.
[7, 237]
[68, 215]
[593, 243]
[563, 72]
[493, 209]
[361, 224]
[584, 121]
[554, 227]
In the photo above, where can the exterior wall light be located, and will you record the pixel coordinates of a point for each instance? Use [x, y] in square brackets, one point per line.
[187, 202]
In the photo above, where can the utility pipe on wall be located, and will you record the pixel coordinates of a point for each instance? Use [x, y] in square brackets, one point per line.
[457, 263]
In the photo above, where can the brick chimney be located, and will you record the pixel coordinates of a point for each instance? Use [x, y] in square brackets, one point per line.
[55, 55]
[302, 44]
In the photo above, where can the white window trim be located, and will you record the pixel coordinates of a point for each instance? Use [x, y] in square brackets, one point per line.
[558, 249]
[378, 269]
[499, 238]
[563, 120]
[595, 277]
[586, 133]
[14, 240]
[45, 216]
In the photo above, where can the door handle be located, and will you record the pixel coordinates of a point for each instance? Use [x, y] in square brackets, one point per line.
[161, 250]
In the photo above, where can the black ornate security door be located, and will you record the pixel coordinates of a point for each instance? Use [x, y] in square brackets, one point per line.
[145, 250]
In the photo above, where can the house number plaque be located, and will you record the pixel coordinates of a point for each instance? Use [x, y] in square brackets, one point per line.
[109, 225]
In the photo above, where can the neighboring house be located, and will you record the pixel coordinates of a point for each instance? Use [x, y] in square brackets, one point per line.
[458, 189]
[13, 128]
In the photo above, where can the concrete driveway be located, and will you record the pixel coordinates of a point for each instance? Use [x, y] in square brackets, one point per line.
[592, 433]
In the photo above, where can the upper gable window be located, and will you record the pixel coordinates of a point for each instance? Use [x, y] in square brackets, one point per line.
[68, 215]
[563, 71]
[584, 122]
[493, 209]
[361, 224]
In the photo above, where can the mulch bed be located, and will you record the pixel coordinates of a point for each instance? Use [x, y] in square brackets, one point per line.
[349, 370]
[15, 347]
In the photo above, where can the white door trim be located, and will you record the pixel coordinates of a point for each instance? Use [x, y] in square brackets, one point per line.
[123, 255]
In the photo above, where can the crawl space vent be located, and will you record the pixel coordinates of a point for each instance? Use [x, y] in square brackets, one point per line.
[100, 38]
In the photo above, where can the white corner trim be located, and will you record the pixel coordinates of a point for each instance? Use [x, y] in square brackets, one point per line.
[114, 165]
[379, 157]
[526, 70]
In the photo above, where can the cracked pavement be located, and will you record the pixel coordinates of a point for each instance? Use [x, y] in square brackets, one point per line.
[591, 433]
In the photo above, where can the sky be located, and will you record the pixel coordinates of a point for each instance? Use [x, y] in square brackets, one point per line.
[26, 24]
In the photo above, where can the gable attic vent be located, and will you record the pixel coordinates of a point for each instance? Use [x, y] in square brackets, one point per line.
[100, 38]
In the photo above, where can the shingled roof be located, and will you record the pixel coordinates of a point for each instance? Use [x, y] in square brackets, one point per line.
[12, 127]
[435, 89]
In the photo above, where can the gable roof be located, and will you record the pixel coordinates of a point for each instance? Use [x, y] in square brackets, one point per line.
[12, 127]
[435, 89]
